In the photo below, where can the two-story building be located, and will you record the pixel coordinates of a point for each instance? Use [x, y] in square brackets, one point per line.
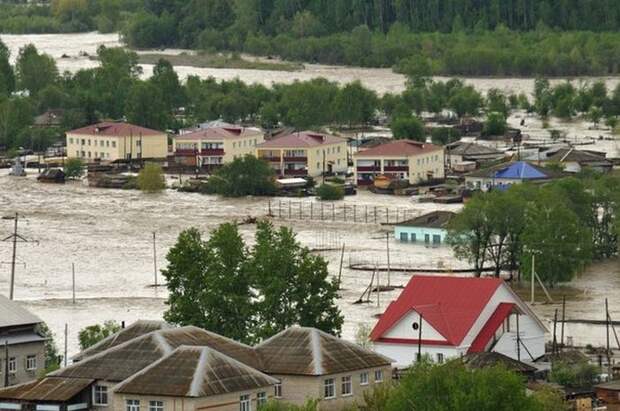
[401, 159]
[112, 141]
[26, 347]
[305, 153]
[211, 147]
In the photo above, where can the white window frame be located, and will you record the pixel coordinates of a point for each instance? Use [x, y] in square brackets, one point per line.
[329, 388]
[102, 391]
[245, 402]
[378, 376]
[346, 386]
[261, 399]
[132, 405]
[277, 390]
[440, 358]
[31, 362]
[364, 378]
[156, 405]
[12, 365]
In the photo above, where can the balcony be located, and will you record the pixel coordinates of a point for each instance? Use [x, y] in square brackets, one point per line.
[368, 168]
[212, 152]
[296, 159]
[298, 172]
[270, 159]
[185, 152]
[396, 168]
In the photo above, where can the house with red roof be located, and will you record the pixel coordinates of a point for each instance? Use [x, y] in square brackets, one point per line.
[111, 141]
[401, 159]
[446, 317]
[305, 153]
[213, 146]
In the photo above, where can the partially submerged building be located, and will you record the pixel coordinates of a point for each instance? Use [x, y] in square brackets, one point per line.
[427, 229]
[504, 175]
[24, 357]
[188, 368]
[573, 160]
[448, 317]
[462, 156]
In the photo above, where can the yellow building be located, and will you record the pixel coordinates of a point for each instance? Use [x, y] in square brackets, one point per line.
[110, 141]
[403, 159]
[211, 147]
[305, 153]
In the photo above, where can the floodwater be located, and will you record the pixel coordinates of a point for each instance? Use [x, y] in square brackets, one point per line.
[107, 234]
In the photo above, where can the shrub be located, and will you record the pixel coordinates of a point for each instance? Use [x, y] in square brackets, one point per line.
[151, 178]
[329, 192]
[74, 168]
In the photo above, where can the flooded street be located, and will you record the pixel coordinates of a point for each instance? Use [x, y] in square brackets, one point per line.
[108, 235]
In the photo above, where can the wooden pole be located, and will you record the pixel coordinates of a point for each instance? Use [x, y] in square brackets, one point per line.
[6, 363]
[73, 281]
[563, 320]
[518, 340]
[532, 279]
[555, 339]
[387, 243]
[340, 270]
[607, 336]
[542, 285]
[14, 256]
[155, 258]
[66, 341]
[420, 339]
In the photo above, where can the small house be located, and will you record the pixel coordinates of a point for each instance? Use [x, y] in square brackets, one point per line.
[573, 160]
[429, 228]
[609, 393]
[502, 176]
[463, 153]
[448, 317]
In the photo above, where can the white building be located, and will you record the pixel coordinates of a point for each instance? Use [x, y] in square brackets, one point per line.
[457, 315]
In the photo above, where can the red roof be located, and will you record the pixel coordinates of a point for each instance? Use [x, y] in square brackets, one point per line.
[219, 133]
[301, 139]
[399, 148]
[502, 311]
[451, 305]
[114, 129]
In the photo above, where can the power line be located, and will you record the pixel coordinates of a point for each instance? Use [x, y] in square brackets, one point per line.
[14, 238]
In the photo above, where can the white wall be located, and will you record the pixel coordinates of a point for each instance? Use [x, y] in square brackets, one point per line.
[403, 329]
[405, 354]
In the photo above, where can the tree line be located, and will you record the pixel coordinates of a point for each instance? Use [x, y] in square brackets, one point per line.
[563, 225]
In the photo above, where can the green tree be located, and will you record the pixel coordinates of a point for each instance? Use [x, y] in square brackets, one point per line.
[34, 71]
[52, 358]
[209, 284]
[495, 125]
[7, 76]
[408, 128]
[145, 106]
[355, 104]
[91, 335]
[151, 178]
[167, 81]
[293, 282]
[74, 168]
[242, 177]
[330, 192]
[465, 101]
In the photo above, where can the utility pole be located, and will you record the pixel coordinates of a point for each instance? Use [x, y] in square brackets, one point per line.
[563, 320]
[518, 340]
[607, 335]
[387, 244]
[340, 270]
[73, 282]
[555, 339]
[420, 339]
[154, 258]
[66, 341]
[14, 238]
[532, 279]
[6, 363]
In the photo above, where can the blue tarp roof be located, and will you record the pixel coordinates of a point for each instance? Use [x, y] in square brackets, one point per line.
[520, 170]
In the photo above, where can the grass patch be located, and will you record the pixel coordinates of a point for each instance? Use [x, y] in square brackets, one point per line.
[208, 60]
[523, 290]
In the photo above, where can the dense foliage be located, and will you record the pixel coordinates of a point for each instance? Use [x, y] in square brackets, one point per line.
[244, 176]
[249, 293]
[330, 192]
[91, 335]
[564, 224]
[151, 178]
[74, 168]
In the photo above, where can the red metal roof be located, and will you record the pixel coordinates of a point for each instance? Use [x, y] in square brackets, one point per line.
[114, 129]
[219, 133]
[302, 139]
[451, 305]
[399, 148]
[502, 311]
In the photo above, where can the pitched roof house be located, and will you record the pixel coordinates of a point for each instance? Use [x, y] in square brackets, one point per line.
[430, 228]
[165, 367]
[456, 316]
[504, 175]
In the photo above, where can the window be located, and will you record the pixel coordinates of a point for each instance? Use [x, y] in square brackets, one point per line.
[436, 239]
[339, 149]
[234, 145]
[439, 358]
[364, 378]
[318, 165]
[156, 406]
[114, 144]
[31, 362]
[277, 391]
[71, 141]
[138, 143]
[89, 142]
[12, 365]
[132, 405]
[427, 238]
[261, 399]
[378, 377]
[404, 237]
[77, 153]
[244, 403]
[329, 388]
[83, 142]
[107, 143]
[347, 387]
[100, 395]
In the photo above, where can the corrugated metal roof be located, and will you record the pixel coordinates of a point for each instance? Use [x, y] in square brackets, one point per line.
[398, 148]
[13, 314]
[487, 332]
[435, 219]
[308, 351]
[472, 149]
[195, 372]
[220, 133]
[136, 329]
[47, 389]
[116, 129]
[302, 139]
[20, 338]
[493, 359]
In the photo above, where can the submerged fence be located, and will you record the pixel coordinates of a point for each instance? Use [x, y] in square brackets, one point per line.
[348, 213]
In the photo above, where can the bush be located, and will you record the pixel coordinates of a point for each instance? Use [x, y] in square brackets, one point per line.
[495, 125]
[243, 177]
[151, 178]
[329, 192]
[74, 168]
[408, 128]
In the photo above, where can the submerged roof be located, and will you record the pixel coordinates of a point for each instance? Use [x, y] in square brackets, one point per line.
[220, 133]
[116, 129]
[519, 170]
[195, 372]
[435, 219]
[13, 314]
[399, 148]
[450, 304]
[136, 329]
[302, 139]
[308, 351]
[122, 361]
[55, 389]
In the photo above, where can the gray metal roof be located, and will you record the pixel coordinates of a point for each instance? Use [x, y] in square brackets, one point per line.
[13, 314]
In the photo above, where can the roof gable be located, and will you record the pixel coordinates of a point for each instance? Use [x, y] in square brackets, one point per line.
[13, 314]
[519, 170]
[450, 304]
[220, 133]
[116, 129]
[302, 139]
